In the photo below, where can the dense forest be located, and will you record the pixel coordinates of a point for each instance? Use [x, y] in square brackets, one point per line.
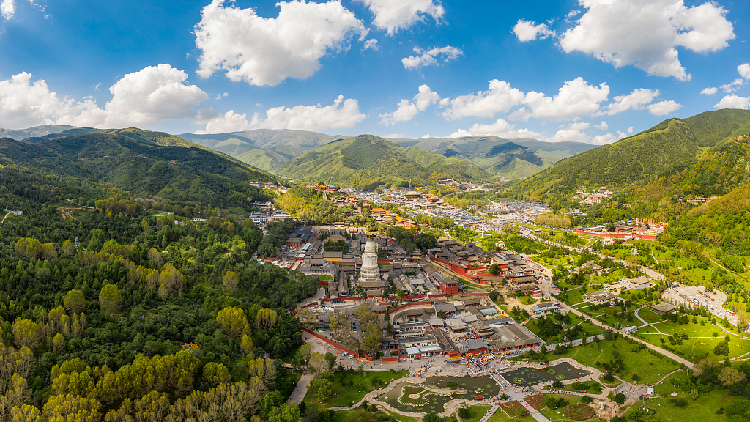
[122, 308]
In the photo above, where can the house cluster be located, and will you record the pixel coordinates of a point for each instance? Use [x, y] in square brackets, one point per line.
[269, 186]
[352, 264]
[593, 196]
[471, 261]
[638, 228]
[637, 283]
[516, 211]
[466, 324]
[266, 213]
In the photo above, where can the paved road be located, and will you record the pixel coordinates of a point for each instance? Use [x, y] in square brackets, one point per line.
[301, 389]
[664, 352]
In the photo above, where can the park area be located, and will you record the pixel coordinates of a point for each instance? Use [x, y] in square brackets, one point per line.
[647, 367]
[695, 339]
[527, 377]
[436, 392]
[349, 387]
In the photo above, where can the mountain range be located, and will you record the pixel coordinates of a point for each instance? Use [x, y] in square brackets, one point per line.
[367, 161]
[672, 144]
[270, 150]
[147, 163]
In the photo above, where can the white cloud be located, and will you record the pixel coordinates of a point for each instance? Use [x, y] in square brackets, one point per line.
[664, 107]
[265, 51]
[630, 130]
[425, 98]
[569, 135]
[500, 128]
[405, 112]
[429, 57]
[608, 138]
[709, 91]
[529, 31]
[574, 99]
[371, 44]
[645, 33]
[153, 94]
[520, 115]
[500, 98]
[393, 15]
[744, 70]
[637, 100]
[734, 101]
[572, 133]
[408, 109]
[7, 9]
[602, 126]
[733, 86]
[343, 113]
[229, 122]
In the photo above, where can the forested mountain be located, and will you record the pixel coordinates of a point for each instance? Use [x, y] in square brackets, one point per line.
[639, 158]
[143, 162]
[263, 148]
[367, 161]
[515, 158]
[32, 131]
[270, 149]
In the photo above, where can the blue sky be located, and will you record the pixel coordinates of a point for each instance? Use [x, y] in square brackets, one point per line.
[546, 69]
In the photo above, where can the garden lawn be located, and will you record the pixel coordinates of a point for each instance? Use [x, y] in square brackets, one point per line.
[500, 416]
[553, 415]
[476, 413]
[649, 367]
[701, 341]
[702, 410]
[361, 385]
[650, 316]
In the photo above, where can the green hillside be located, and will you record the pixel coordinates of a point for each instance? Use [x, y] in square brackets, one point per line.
[35, 131]
[513, 159]
[145, 163]
[639, 158]
[367, 161]
[248, 146]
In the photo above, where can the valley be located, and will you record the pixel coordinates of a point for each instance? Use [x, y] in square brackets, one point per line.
[378, 258]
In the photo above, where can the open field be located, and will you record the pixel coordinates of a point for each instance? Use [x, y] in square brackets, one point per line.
[649, 367]
[701, 341]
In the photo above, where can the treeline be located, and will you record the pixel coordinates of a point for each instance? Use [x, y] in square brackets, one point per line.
[412, 239]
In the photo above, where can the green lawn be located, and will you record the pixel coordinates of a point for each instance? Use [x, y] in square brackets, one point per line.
[360, 385]
[650, 316]
[649, 367]
[500, 416]
[693, 348]
[476, 413]
[701, 410]
[557, 414]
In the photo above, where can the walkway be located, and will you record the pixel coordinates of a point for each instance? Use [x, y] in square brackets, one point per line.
[301, 389]
[639, 317]
[664, 352]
